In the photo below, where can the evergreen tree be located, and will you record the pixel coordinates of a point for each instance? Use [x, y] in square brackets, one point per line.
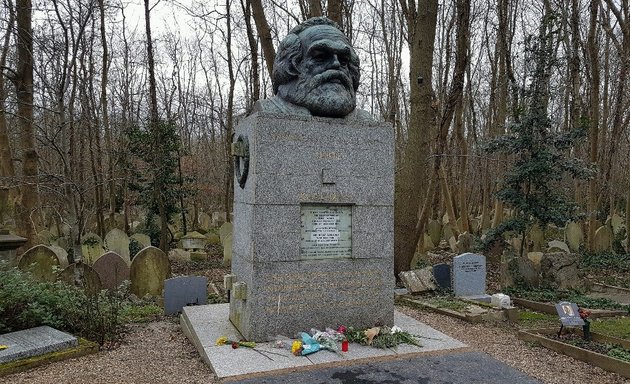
[541, 156]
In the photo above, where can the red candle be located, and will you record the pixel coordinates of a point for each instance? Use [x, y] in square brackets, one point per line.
[344, 346]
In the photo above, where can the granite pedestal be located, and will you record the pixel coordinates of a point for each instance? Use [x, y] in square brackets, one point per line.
[313, 225]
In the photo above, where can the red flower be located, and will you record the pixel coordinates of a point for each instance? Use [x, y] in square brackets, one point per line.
[234, 344]
[341, 329]
[584, 313]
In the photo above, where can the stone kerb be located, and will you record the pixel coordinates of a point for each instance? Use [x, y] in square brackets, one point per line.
[112, 269]
[149, 268]
[40, 261]
[297, 166]
[117, 241]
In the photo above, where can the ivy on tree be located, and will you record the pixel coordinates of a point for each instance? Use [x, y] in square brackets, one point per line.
[541, 155]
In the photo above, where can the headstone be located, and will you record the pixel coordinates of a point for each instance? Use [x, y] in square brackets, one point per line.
[91, 248]
[41, 262]
[536, 238]
[184, 290]
[464, 242]
[447, 232]
[213, 238]
[218, 218]
[418, 280]
[62, 255]
[193, 241]
[83, 276]
[573, 236]
[227, 250]
[452, 243]
[569, 314]
[428, 243]
[469, 275]
[226, 229]
[535, 258]
[603, 239]
[112, 269]
[44, 237]
[179, 255]
[34, 342]
[148, 271]
[434, 228]
[9, 243]
[117, 241]
[616, 223]
[474, 225]
[560, 270]
[558, 246]
[205, 221]
[142, 239]
[442, 276]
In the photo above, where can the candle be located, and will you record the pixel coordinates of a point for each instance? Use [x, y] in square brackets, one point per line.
[344, 346]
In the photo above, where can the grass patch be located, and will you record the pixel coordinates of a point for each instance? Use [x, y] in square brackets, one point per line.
[447, 303]
[555, 296]
[141, 313]
[616, 327]
[530, 319]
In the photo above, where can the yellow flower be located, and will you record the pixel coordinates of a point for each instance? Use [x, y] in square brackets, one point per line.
[3, 347]
[222, 340]
[296, 346]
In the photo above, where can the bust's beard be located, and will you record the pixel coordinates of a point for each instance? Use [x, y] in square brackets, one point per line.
[328, 94]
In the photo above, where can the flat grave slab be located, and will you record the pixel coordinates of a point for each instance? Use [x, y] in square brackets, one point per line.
[34, 342]
[204, 324]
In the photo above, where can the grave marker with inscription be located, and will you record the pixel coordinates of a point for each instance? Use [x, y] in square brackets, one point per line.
[34, 342]
[469, 276]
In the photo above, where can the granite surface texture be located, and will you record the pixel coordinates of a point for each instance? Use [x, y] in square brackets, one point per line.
[184, 290]
[34, 342]
[298, 162]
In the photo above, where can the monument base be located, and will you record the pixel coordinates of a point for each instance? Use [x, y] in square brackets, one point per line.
[313, 225]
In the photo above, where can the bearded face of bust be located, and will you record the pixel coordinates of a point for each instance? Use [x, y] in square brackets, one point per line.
[317, 68]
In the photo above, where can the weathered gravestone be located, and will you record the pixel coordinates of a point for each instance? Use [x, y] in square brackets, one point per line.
[41, 262]
[112, 269]
[204, 220]
[91, 248]
[603, 239]
[228, 242]
[142, 239]
[537, 238]
[148, 271]
[34, 342]
[194, 241]
[81, 275]
[418, 280]
[469, 276]
[573, 236]
[558, 246]
[9, 243]
[434, 228]
[225, 230]
[218, 218]
[117, 241]
[560, 270]
[442, 275]
[184, 290]
[179, 255]
[62, 255]
[313, 199]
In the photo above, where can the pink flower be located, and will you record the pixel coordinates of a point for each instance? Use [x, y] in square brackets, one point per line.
[341, 329]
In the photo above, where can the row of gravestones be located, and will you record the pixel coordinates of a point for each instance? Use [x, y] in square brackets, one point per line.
[147, 272]
[93, 247]
[573, 237]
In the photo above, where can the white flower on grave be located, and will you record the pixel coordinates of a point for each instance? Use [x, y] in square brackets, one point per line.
[396, 329]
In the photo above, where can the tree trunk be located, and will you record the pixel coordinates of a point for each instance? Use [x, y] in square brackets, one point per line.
[154, 118]
[412, 176]
[24, 84]
[264, 31]
[7, 170]
[593, 57]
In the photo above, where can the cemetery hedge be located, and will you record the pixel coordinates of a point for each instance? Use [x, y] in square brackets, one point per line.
[26, 303]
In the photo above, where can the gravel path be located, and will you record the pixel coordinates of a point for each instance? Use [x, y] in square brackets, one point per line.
[158, 352]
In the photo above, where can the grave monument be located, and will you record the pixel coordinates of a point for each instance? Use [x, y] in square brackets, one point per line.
[314, 196]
